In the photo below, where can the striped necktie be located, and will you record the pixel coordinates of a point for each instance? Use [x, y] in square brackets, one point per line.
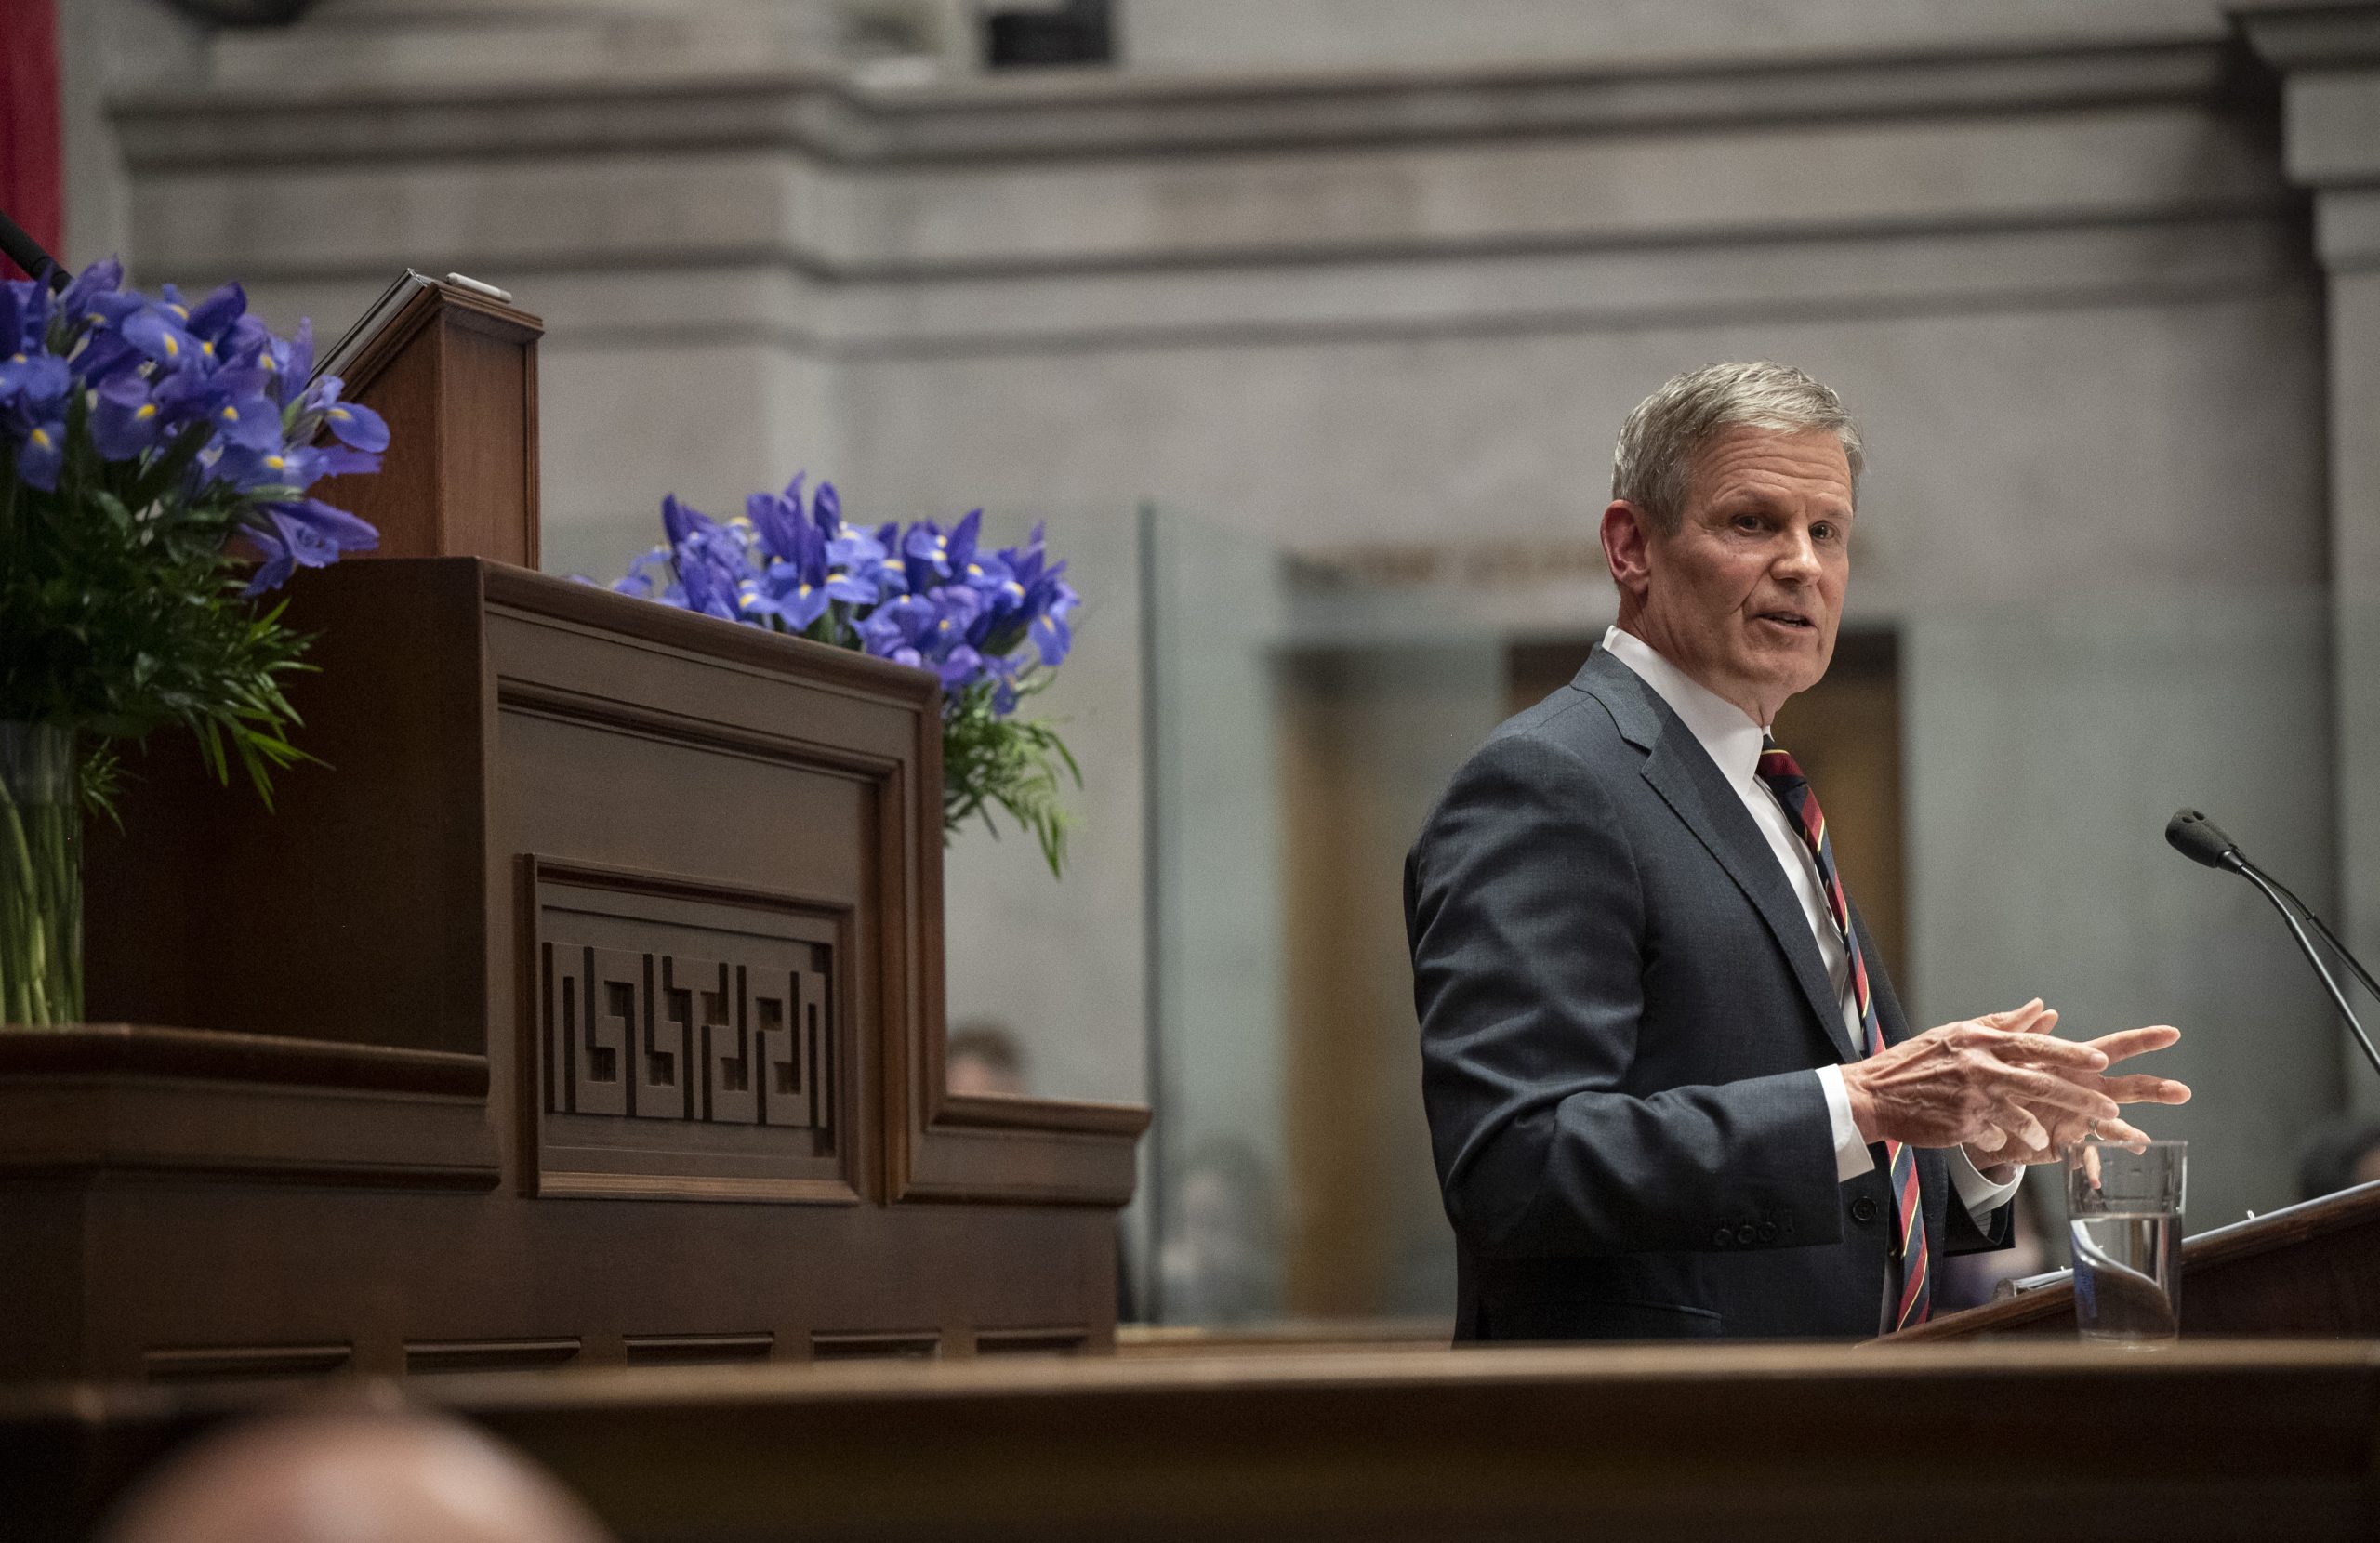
[1784, 777]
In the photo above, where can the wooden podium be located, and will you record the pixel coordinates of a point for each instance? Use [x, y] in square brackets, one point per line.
[585, 1007]
[457, 372]
[2308, 1271]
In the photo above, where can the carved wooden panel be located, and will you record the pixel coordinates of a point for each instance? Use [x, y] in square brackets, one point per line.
[726, 1041]
[689, 1037]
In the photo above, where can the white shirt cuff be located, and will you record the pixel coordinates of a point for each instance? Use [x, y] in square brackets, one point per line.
[1979, 1195]
[1852, 1157]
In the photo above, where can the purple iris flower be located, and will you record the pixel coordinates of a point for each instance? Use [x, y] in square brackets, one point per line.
[250, 421]
[131, 374]
[796, 598]
[247, 345]
[710, 565]
[33, 378]
[959, 550]
[289, 364]
[318, 534]
[1001, 670]
[960, 666]
[293, 466]
[305, 533]
[105, 355]
[777, 519]
[1053, 600]
[681, 520]
[926, 553]
[855, 549]
[352, 423]
[982, 620]
[32, 317]
[1053, 637]
[186, 395]
[124, 421]
[898, 623]
[336, 525]
[959, 607]
[155, 332]
[708, 590]
[356, 426]
[99, 286]
[279, 562]
[639, 578]
[44, 452]
[210, 319]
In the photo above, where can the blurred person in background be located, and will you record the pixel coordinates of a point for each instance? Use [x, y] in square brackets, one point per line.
[353, 1477]
[984, 1056]
[2340, 1154]
[1220, 1261]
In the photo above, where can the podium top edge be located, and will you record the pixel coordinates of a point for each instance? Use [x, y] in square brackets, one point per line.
[410, 303]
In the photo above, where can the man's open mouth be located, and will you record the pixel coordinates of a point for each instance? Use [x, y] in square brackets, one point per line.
[1789, 618]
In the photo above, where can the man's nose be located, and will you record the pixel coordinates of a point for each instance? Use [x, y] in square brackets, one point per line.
[1799, 560]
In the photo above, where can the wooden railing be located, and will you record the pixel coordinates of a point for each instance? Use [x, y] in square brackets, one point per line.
[1949, 1441]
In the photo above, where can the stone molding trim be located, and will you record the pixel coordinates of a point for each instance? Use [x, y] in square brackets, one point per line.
[836, 119]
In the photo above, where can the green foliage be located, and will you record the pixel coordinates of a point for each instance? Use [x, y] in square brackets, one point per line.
[122, 611]
[1013, 762]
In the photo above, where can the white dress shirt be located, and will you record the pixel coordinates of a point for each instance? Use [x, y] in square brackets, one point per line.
[1732, 742]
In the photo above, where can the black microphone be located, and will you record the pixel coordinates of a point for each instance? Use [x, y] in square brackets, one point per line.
[2202, 841]
[26, 253]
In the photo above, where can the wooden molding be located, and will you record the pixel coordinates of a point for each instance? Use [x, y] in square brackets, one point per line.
[72, 1126]
[145, 1051]
[614, 616]
[944, 1146]
[1056, 1116]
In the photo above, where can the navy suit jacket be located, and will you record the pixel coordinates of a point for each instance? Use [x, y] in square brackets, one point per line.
[1621, 1004]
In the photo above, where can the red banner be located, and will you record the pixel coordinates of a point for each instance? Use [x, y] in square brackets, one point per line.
[31, 192]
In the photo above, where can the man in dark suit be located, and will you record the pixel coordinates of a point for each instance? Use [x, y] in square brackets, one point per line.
[1670, 1089]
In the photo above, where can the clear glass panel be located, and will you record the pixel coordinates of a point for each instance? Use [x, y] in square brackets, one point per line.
[1217, 1159]
[1045, 975]
[1302, 723]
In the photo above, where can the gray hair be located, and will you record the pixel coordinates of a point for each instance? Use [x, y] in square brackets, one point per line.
[1652, 467]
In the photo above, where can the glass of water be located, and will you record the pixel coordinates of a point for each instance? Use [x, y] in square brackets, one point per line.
[2125, 1207]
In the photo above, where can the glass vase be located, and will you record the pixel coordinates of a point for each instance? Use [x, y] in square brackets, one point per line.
[41, 878]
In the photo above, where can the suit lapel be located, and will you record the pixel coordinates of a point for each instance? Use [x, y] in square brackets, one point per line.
[1690, 782]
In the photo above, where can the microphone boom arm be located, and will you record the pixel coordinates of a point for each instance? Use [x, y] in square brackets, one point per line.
[2326, 934]
[2289, 909]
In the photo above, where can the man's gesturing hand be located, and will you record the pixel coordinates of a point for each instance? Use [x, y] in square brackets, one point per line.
[1983, 1084]
[1999, 1163]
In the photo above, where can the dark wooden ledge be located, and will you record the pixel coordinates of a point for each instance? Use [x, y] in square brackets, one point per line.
[2309, 1269]
[1057, 1117]
[145, 1051]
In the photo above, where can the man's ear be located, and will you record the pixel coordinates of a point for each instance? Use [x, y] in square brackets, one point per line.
[1627, 547]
